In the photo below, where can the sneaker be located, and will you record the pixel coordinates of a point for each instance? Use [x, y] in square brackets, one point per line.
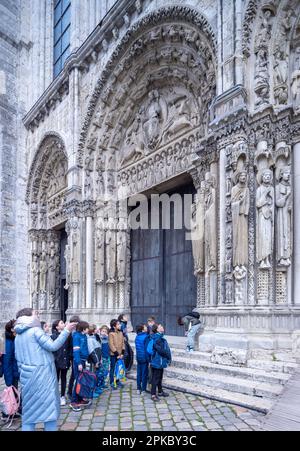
[191, 350]
[76, 407]
[120, 385]
[139, 392]
[63, 401]
[85, 402]
[163, 394]
[155, 398]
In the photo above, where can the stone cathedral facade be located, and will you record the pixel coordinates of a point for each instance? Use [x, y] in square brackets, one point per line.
[150, 96]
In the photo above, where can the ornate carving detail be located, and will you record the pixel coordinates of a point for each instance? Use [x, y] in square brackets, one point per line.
[249, 18]
[172, 33]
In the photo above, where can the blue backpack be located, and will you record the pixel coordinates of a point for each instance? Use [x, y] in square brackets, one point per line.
[86, 384]
[150, 350]
[120, 372]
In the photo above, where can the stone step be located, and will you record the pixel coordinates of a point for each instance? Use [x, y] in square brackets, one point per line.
[218, 394]
[230, 383]
[262, 405]
[246, 373]
[199, 362]
[281, 367]
[203, 356]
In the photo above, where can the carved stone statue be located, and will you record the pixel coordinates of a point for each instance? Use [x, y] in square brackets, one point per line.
[210, 223]
[152, 120]
[99, 257]
[295, 89]
[179, 116]
[75, 251]
[121, 249]
[110, 243]
[265, 218]
[43, 273]
[197, 229]
[134, 145]
[52, 268]
[240, 204]
[35, 275]
[280, 77]
[67, 257]
[261, 77]
[284, 217]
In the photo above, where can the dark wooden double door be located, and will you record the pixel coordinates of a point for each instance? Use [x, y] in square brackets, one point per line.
[163, 283]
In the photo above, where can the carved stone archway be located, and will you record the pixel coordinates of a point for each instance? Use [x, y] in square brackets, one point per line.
[46, 191]
[148, 112]
[271, 49]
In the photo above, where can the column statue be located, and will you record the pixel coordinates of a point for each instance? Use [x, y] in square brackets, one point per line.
[284, 217]
[265, 218]
[110, 243]
[121, 249]
[43, 273]
[240, 204]
[210, 223]
[197, 229]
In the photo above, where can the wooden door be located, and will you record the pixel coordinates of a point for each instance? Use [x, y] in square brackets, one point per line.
[163, 283]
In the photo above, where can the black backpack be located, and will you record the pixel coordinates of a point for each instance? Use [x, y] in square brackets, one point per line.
[194, 315]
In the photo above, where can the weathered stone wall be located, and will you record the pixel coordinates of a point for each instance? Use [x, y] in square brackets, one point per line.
[13, 212]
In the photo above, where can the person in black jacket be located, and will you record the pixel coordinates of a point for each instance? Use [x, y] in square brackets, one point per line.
[73, 319]
[62, 358]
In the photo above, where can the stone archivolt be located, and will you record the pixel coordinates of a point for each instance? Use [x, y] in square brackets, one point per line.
[46, 196]
[271, 42]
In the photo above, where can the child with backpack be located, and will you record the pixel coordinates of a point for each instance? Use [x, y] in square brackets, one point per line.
[10, 398]
[192, 326]
[160, 357]
[95, 355]
[80, 356]
[141, 342]
[105, 362]
[117, 350]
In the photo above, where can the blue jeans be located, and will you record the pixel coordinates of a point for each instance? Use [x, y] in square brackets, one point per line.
[75, 397]
[192, 334]
[113, 361]
[48, 426]
[142, 375]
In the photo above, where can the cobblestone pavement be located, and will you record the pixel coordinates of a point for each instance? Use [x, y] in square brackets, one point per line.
[125, 410]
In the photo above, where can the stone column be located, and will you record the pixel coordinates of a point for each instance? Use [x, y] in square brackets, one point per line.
[296, 169]
[89, 262]
[222, 219]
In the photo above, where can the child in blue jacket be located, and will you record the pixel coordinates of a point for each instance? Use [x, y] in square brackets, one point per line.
[160, 359]
[80, 356]
[141, 342]
[9, 362]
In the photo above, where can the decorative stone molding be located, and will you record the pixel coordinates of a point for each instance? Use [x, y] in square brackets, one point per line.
[47, 184]
[164, 15]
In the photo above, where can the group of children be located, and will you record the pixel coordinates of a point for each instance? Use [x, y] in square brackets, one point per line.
[101, 348]
[98, 347]
[153, 355]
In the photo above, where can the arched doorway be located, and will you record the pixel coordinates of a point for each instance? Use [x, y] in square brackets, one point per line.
[148, 112]
[162, 276]
[46, 196]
